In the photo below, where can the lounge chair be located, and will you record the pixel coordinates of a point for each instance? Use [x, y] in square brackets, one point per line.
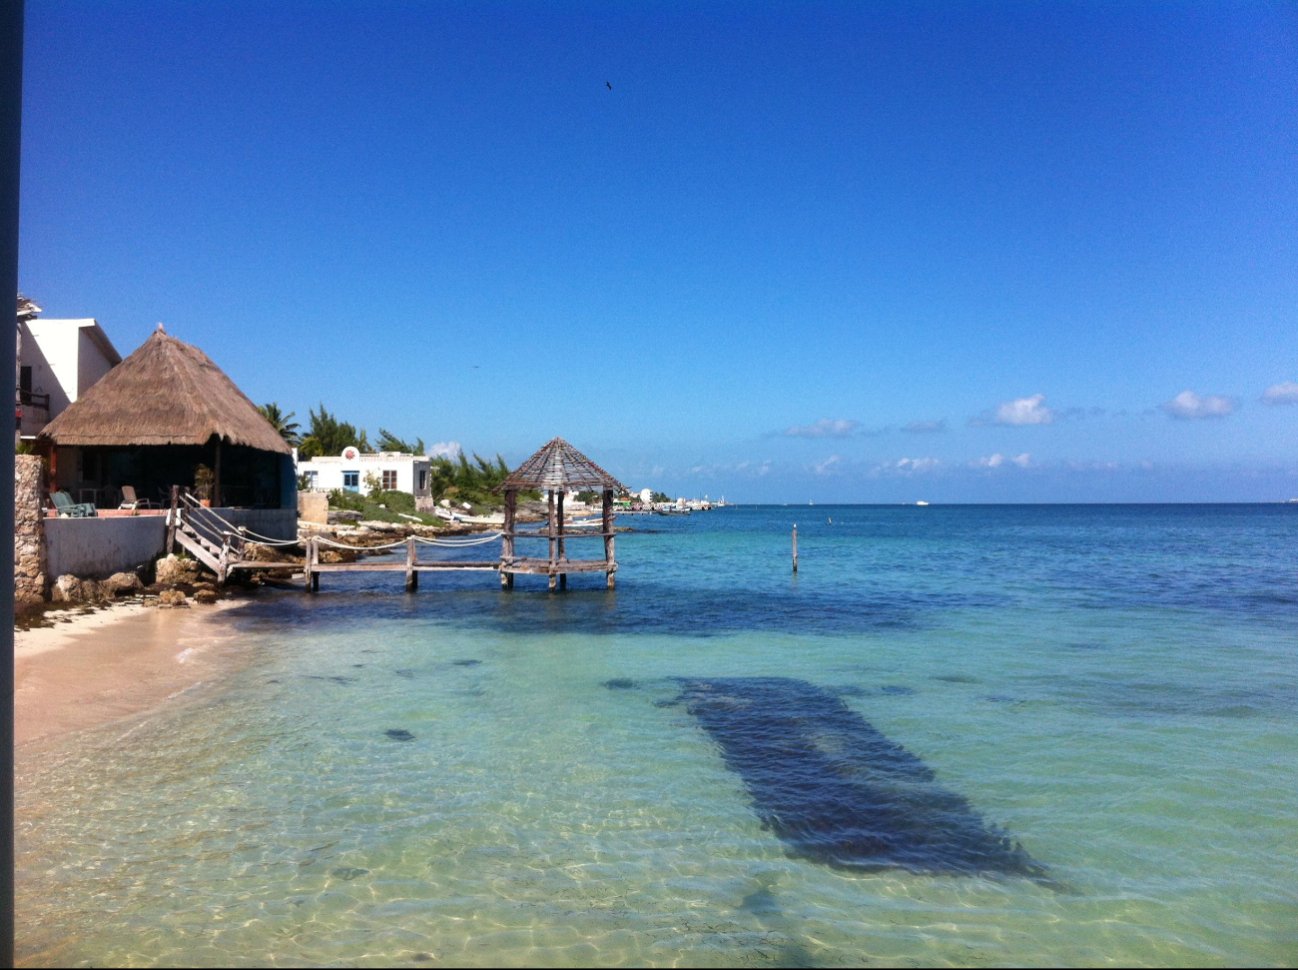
[132, 501]
[73, 510]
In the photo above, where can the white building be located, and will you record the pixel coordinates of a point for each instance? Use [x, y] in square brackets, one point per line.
[357, 471]
[58, 361]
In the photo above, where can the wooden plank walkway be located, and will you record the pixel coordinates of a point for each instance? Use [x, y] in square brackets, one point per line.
[223, 551]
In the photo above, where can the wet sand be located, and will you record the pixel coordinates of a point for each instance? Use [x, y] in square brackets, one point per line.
[93, 669]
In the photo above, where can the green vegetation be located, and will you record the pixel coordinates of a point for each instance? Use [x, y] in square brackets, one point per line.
[474, 482]
[461, 480]
[381, 506]
[204, 481]
[329, 436]
[283, 423]
[390, 442]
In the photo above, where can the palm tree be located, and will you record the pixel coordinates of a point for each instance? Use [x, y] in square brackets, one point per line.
[283, 423]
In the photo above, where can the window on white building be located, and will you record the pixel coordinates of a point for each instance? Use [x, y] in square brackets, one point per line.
[352, 481]
[389, 481]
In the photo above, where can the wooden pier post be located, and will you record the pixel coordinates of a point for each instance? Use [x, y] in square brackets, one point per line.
[795, 547]
[507, 541]
[606, 526]
[560, 551]
[310, 560]
[412, 577]
[223, 562]
[554, 534]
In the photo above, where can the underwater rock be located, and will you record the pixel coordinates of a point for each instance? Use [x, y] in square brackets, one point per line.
[348, 873]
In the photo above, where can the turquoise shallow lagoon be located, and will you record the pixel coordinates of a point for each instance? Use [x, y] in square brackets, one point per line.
[467, 777]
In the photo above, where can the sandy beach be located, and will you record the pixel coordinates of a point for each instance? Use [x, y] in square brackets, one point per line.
[94, 668]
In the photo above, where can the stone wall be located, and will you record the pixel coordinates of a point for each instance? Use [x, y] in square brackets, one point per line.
[30, 579]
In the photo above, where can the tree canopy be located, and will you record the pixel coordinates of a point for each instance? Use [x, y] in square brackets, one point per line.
[281, 422]
[329, 436]
[390, 442]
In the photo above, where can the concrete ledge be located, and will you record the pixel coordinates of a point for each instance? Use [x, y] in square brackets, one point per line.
[95, 548]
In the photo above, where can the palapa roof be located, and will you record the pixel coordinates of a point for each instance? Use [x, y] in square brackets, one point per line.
[166, 393]
[560, 466]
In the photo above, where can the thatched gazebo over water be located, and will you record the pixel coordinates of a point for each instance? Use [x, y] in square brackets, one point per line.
[557, 468]
[156, 416]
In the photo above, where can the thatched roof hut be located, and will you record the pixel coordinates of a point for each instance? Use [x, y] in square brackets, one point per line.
[558, 465]
[558, 468]
[158, 415]
[166, 393]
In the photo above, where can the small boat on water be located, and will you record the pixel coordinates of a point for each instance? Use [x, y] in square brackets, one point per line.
[921, 502]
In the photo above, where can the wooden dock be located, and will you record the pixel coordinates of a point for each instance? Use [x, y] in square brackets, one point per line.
[556, 468]
[411, 565]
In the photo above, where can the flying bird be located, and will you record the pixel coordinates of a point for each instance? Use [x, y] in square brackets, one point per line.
[609, 85]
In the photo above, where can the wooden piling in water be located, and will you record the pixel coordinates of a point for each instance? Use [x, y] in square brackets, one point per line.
[795, 547]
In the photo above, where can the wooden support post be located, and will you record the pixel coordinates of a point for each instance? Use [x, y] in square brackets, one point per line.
[554, 534]
[172, 517]
[606, 526]
[507, 540]
[795, 547]
[223, 561]
[312, 560]
[412, 577]
[560, 552]
[216, 476]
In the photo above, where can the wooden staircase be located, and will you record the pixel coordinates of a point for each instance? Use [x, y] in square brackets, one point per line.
[208, 553]
[210, 539]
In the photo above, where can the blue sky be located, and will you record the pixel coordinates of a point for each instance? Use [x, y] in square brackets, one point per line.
[860, 252]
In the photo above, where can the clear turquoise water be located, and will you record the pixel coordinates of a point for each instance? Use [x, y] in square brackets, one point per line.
[1114, 686]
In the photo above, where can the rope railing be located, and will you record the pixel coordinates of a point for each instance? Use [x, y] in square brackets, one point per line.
[199, 513]
[460, 542]
[322, 540]
[457, 543]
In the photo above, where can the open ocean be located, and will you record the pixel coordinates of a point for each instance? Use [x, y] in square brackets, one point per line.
[959, 736]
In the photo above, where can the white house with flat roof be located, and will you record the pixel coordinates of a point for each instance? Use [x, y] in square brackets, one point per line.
[354, 471]
[58, 361]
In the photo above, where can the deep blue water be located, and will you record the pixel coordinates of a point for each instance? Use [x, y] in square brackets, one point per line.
[958, 735]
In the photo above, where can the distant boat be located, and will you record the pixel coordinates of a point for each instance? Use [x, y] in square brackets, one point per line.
[921, 502]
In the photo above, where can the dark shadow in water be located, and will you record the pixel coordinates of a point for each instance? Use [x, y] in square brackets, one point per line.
[675, 611]
[839, 792]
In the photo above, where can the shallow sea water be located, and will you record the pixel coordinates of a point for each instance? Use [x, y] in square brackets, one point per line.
[466, 777]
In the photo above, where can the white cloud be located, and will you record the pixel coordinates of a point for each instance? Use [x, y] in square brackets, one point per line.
[824, 428]
[444, 449]
[1284, 393]
[1188, 406]
[907, 466]
[997, 460]
[1025, 410]
[827, 466]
